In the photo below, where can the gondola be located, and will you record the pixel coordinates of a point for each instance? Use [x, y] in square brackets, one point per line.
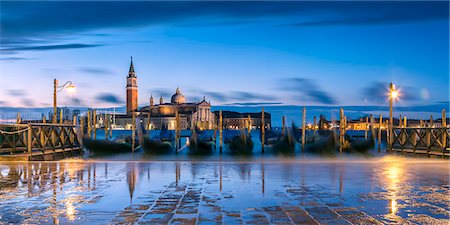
[161, 144]
[360, 143]
[200, 143]
[239, 143]
[122, 144]
[278, 142]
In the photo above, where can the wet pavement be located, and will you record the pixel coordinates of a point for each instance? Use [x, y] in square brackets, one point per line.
[385, 190]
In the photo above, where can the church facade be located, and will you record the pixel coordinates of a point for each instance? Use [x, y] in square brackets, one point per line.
[156, 116]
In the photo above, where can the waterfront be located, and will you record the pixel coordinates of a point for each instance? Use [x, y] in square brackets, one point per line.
[387, 189]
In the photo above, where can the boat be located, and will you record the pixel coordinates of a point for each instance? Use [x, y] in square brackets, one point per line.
[162, 143]
[121, 144]
[239, 143]
[200, 143]
[358, 143]
[323, 142]
[280, 143]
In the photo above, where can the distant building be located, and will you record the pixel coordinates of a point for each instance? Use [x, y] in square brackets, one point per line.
[192, 114]
[132, 90]
[238, 121]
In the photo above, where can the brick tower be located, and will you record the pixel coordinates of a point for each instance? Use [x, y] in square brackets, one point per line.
[132, 90]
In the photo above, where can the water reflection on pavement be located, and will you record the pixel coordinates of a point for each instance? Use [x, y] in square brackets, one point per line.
[368, 191]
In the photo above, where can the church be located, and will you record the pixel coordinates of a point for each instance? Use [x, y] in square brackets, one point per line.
[156, 116]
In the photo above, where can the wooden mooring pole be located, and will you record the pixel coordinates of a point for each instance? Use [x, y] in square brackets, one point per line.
[263, 129]
[444, 130]
[366, 128]
[18, 119]
[303, 128]
[94, 122]
[82, 126]
[177, 131]
[249, 125]
[220, 131]
[133, 130]
[88, 121]
[341, 129]
[105, 125]
[283, 125]
[380, 124]
[314, 125]
[61, 116]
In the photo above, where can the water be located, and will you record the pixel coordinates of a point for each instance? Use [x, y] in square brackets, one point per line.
[387, 189]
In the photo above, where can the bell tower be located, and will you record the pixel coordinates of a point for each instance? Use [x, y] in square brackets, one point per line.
[132, 90]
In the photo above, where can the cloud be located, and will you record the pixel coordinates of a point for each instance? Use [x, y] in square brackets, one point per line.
[164, 92]
[217, 96]
[374, 13]
[307, 90]
[109, 98]
[94, 70]
[28, 102]
[76, 101]
[14, 58]
[50, 47]
[54, 21]
[377, 92]
[249, 96]
[16, 92]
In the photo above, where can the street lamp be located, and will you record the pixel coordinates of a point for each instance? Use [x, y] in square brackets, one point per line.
[393, 94]
[70, 88]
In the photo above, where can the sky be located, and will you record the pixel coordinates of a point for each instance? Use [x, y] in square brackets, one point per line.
[233, 53]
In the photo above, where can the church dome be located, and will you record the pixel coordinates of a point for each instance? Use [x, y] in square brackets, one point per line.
[178, 98]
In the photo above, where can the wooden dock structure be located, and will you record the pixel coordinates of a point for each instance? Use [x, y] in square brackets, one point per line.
[38, 141]
[425, 140]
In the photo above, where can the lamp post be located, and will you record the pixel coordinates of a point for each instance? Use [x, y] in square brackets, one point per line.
[56, 89]
[393, 94]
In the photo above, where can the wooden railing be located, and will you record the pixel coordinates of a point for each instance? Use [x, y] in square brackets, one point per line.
[428, 140]
[30, 138]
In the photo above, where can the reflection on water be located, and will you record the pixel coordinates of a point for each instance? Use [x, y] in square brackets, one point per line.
[385, 190]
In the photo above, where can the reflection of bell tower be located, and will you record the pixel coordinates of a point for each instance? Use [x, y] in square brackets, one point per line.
[132, 90]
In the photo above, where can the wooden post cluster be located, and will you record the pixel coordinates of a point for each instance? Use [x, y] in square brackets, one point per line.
[303, 127]
[263, 129]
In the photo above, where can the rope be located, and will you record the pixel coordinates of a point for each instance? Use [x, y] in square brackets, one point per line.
[14, 132]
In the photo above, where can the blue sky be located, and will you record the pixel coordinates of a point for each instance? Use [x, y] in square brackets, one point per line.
[234, 53]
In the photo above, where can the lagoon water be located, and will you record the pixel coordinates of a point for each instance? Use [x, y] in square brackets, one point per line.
[388, 189]
[136, 188]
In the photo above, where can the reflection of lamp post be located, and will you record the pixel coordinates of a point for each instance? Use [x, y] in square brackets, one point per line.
[56, 88]
[393, 94]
